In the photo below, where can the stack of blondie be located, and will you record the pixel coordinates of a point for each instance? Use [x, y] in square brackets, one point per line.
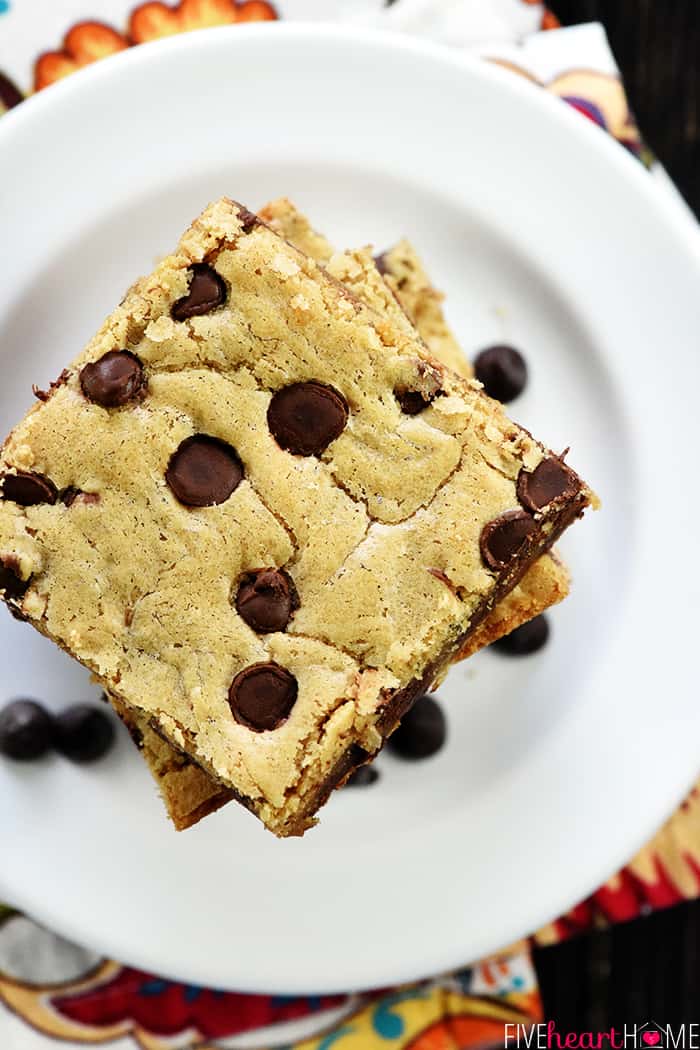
[268, 506]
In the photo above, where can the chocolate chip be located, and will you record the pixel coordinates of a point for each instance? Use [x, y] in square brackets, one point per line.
[114, 380]
[380, 263]
[26, 730]
[71, 494]
[28, 489]
[266, 599]
[204, 471]
[503, 372]
[10, 95]
[12, 586]
[135, 734]
[526, 639]
[207, 291]
[247, 218]
[305, 417]
[412, 401]
[502, 538]
[422, 732]
[262, 696]
[550, 480]
[83, 733]
[363, 777]
[11, 582]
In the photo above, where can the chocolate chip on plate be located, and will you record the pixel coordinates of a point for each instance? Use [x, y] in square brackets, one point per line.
[26, 730]
[422, 732]
[207, 290]
[502, 538]
[503, 372]
[83, 733]
[550, 480]
[114, 380]
[305, 417]
[262, 696]
[266, 599]
[28, 489]
[363, 777]
[526, 639]
[204, 471]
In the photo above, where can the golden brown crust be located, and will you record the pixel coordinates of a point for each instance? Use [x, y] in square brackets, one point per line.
[544, 585]
[188, 793]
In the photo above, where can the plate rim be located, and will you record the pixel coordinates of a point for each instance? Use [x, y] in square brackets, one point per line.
[672, 203]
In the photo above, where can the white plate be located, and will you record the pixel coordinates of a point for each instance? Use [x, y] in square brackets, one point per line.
[543, 232]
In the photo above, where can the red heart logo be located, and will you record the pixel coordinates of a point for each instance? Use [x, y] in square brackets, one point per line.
[651, 1038]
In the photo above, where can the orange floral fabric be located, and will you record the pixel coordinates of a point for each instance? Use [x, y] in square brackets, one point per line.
[90, 41]
[84, 43]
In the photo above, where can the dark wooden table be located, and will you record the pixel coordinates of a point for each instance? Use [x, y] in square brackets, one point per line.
[648, 969]
[644, 970]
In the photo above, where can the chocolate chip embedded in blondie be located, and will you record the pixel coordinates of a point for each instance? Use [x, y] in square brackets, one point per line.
[257, 421]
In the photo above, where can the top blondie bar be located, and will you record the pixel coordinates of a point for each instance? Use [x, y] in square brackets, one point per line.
[264, 516]
[403, 292]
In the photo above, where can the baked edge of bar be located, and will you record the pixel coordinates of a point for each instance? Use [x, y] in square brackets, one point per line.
[403, 699]
[399, 702]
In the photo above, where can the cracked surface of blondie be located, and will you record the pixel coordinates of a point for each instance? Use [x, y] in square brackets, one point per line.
[240, 412]
[402, 270]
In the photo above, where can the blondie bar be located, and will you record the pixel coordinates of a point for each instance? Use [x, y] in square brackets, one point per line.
[265, 518]
[547, 581]
[189, 792]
